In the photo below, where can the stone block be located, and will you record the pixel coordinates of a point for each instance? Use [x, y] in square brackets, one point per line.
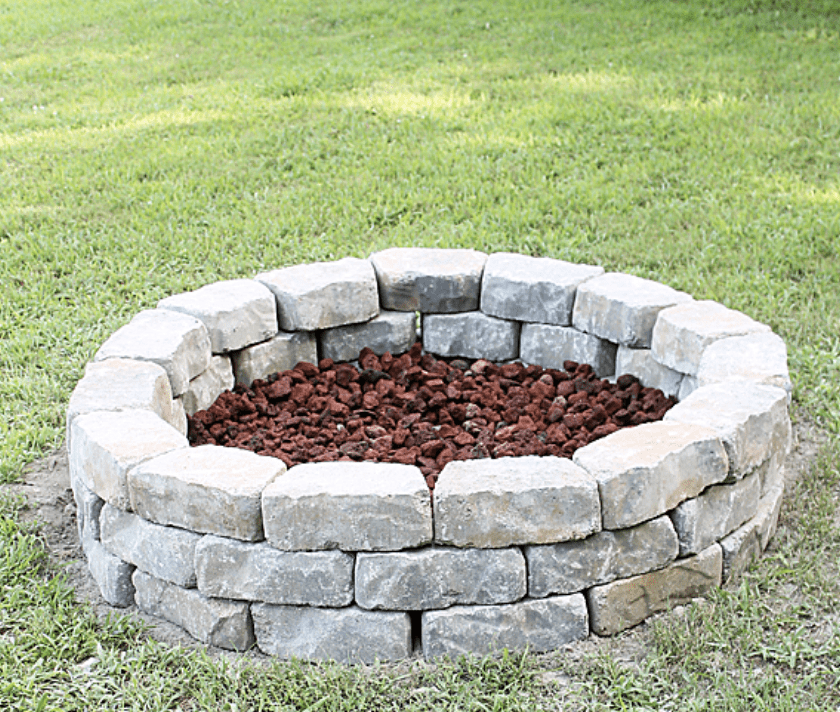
[179, 416]
[429, 280]
[236, 313]
[207, 489]
[88, 506]
[712, 515]
[438, 577]
[548, 346]
[206, 387]
[177, 342]
[750, 419]
[641, 364]
[532, 289]
[748, 541]
[492, 504]
[225, 624]
[535, 625]
[352, 506]
[619, 605]
[112, 574]
[280, 353]
[645, 471]
[682, 332]
[391, 331]
[348, 635]
[603, 557]
[324, 294]
[761, 358]
[167, 553]
[106, 445]
[227, 568]
[470, 335]
[622, 308]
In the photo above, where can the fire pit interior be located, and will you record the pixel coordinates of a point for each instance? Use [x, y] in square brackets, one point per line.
[541, 536]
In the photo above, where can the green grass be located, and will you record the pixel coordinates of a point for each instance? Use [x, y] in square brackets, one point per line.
[150, 148]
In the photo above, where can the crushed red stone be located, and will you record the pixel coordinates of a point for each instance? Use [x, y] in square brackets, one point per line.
[419, 410]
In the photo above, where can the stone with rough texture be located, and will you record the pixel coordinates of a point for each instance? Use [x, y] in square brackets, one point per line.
[429, 280]
[179, 416]
[353, 506]
[112, 574]
[177, 342]
[470, 335]
[532, 289]
[535, 625]
[236, 313]
[391, 331]
[747, 542]
[208, 489]
[622, 308]
[206, 387]
[641, 364]
[88, 506]
[603, 557]
[439, 577]
[106, 445]
[619, 605]
[643, 472]
[227, 568]
[225, 624]
[549, 346]
[712, 515]
[514, 500]
[349, 635]
[324, 294]
[761, 358]
[682, 333]
[167, 553]
[280, 353]
[750, 419]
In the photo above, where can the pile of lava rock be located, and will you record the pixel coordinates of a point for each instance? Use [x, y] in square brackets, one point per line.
[419, 410]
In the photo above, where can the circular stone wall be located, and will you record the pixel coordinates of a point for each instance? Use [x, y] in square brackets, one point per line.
[352, 560]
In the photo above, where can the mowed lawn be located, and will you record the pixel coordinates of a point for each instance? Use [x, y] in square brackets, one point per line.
[148, 148]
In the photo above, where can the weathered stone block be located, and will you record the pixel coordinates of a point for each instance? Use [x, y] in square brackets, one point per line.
[747, 542]
[112, 574]
[645, 471]
[622, 308]
[208, 489]
[225, 624]
[164, 552]
[177, 342]
[514, 500]
[438, 578]
[280, 353]
[538, 626]
[179, 416]
[353, 506]
[205, 388]
[532, 289]
[236, 313]
[258, 572]
[603, 557]
[324, 294]
[548, 346]
[429, 280]
[471, 335]
[88, 506]
[761, 358]
[682, 332]
[106, 445]
[622, 604]
[641, 364]
[348, 635]
[391, 331]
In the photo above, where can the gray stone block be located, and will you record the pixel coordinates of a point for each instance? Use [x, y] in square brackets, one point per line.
[280, 353]
[258, 572]
[548, 346]
[514, 500]
[747, 542]
[532, 289]
[391, 331]
[324, 294]
[470, 335]
[429, 280]
[645, 471]
[348, 635]
[603, 557]
[236, 313]
[112, 574]
[438, 578]
[535, 625]
[88, 506]
[761, 358]
[641, 364]
[205, 388]
[225, 624]
[622, 308]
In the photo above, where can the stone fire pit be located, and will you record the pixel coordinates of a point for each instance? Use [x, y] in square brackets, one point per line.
[353, 561]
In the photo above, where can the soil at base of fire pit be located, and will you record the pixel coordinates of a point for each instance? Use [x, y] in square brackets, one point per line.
[419, 410]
